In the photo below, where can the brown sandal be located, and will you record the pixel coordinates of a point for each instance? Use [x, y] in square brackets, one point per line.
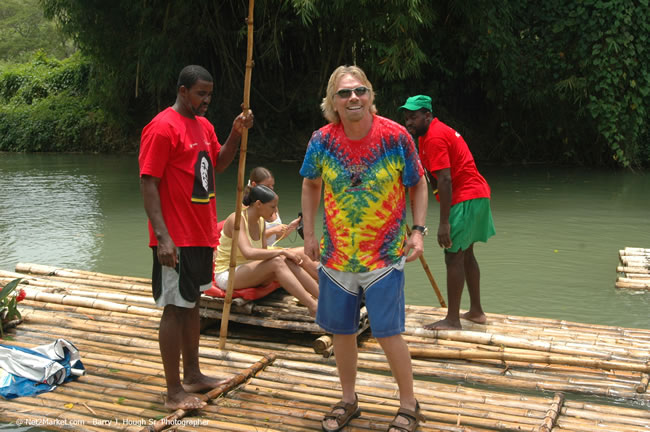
[351, 411]
[414, 418]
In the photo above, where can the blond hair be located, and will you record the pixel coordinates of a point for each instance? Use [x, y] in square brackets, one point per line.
[327, 106]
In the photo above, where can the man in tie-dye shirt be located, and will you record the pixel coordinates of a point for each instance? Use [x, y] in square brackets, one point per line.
[363, 163]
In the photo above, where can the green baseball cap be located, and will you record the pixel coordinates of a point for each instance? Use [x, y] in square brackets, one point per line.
[417, 102]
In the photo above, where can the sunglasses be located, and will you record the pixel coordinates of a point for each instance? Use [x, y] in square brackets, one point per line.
[346, 93]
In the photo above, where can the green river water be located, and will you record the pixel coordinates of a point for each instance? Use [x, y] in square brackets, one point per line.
[555, 253]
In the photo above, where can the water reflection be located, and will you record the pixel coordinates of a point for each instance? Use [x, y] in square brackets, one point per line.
[50, 216]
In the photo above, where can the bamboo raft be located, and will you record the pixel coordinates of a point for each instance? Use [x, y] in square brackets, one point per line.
[634, 269]
[544, 375]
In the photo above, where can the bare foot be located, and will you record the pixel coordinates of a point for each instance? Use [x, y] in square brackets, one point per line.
[201, 384]
[477, 318]
[184, 401]
[444, 325]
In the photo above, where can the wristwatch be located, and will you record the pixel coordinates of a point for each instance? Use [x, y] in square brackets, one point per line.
[424, 230]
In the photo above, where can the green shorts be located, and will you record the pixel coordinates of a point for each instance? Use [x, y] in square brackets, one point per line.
[470, 221]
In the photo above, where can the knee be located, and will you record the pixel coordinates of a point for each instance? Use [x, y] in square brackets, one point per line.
[454, 258]
[279, 263]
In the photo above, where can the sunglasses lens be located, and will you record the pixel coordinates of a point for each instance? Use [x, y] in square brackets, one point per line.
[360, 91]
[344, 93]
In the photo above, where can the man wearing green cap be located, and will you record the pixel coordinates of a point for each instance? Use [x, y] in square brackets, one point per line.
[465, 215]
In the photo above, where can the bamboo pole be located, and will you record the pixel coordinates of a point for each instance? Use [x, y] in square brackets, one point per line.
[632, 283]
[641, 270]
[214, 393]
[240, 180]
[425, 266]
[503, 355]
[46, 270]
[552, 414]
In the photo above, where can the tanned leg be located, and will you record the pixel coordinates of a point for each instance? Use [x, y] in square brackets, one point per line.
[473, 278]
[345, 354]
[399, 359]
[455, 263]
[193, 380]
[170, 335]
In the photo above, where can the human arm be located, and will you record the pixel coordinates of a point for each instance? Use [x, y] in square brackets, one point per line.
[444, 193]
[166, 247]
[419, 195]
[281, 230]
[228, 150]
[311, 190]
[252, 253]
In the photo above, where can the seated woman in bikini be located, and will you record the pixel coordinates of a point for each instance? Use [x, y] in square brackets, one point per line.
[256, 264]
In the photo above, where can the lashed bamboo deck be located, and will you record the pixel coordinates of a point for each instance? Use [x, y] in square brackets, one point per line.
[634, 271]
[114, 323]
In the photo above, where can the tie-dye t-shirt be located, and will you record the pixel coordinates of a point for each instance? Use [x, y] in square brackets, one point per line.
[364, 193]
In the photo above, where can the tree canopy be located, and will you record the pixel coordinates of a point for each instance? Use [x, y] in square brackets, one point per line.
[554, 81]
[25, 30]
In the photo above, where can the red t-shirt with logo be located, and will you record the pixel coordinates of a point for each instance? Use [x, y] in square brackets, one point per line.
[182, 152]
[442, 147]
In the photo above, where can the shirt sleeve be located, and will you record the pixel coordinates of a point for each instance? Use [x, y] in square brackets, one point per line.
[216, 146]
[436, 155]
[155, 147]
[412, 165]
[311, 165]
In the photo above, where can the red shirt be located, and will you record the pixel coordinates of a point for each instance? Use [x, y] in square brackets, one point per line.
[442, 147]
[182, 152]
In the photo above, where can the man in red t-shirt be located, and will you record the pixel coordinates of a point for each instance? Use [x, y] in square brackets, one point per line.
[179, 153]
[465, 215]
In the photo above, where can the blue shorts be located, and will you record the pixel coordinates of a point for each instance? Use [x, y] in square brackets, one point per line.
[341, 295]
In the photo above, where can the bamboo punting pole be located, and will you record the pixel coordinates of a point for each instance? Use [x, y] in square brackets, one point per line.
[240, 180]
[214, 393]
[427, 271]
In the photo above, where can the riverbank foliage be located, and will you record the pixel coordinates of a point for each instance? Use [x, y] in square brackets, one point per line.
[45, 106]
[561, 81]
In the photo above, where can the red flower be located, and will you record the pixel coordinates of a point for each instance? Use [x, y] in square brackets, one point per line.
[21, 295]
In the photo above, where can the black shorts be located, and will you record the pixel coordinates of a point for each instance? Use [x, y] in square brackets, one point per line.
[182, 285]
